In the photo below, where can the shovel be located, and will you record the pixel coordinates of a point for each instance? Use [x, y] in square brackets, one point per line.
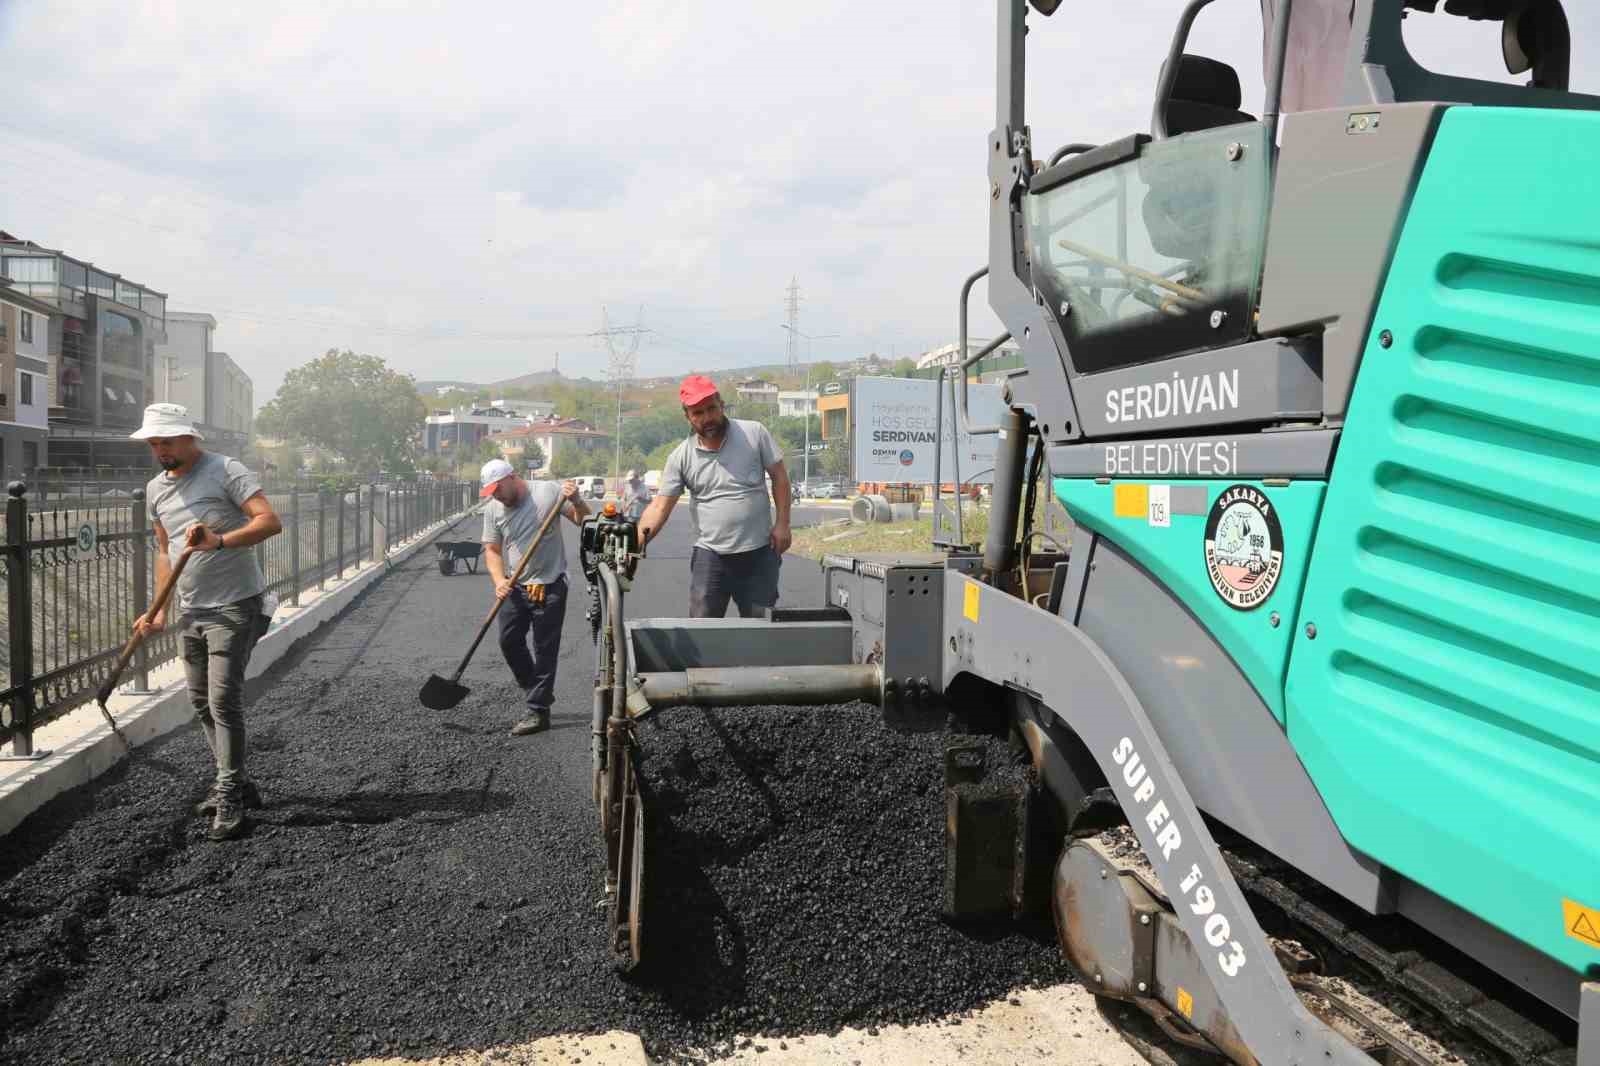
[160, 604]
[441, 694]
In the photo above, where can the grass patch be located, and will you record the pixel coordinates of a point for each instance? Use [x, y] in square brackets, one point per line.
[913, 536]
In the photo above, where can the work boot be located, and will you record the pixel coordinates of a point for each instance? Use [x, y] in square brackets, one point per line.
[537, 722]
[228, 822]
[252, 799]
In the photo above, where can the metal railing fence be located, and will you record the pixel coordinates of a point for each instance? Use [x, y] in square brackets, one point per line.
[80, 568]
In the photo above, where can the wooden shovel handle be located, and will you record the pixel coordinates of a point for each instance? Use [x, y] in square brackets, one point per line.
[163, 594]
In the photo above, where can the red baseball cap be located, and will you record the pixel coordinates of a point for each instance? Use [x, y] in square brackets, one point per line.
[695, 388]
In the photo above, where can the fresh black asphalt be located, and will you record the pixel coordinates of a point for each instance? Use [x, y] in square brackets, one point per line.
[421, 883]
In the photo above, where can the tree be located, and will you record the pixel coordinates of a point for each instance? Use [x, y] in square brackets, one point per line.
[351, 406]
[836, 460]
[904, 367]
[488, 449]
[534, 456]
[822, 373]
[790, 432]
[658, 458]
[571, 461]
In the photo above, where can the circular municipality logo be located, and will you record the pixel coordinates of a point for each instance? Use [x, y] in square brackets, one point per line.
[1244, 547]
[906, 456]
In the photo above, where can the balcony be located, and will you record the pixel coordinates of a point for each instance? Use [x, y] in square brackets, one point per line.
[65, 282]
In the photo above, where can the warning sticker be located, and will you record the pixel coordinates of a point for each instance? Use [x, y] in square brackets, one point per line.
[1581, 923]
[1130, 500]
[1185, 1003]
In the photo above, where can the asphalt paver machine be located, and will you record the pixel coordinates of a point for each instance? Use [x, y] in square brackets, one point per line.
[1319, 670]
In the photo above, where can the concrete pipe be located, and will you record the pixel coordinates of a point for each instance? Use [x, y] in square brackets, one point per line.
[903, 512]
[868, 509]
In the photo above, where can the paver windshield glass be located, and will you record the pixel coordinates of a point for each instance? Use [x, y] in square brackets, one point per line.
[1157, 255]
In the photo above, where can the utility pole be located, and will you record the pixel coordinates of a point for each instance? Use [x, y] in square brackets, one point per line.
[793, 325]
[620, 368]
[794, 344]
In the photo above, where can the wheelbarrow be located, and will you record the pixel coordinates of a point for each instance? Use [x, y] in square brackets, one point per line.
[458, 551]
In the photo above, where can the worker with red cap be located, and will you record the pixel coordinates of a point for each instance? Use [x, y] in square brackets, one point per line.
[724, 465]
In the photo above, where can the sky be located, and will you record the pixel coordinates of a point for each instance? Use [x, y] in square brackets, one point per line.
[464, 189]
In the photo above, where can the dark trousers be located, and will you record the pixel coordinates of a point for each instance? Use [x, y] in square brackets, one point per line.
[525, 625]
[216, 644]
[750, 579]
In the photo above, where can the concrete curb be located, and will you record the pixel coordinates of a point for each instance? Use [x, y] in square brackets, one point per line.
[82, 746]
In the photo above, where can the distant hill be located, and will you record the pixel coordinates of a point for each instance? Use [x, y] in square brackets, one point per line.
[547, 377]
[523, 381]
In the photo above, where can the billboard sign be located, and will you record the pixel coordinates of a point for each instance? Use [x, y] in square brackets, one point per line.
[892, 427]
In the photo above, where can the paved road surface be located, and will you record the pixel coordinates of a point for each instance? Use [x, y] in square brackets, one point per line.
[418, 883]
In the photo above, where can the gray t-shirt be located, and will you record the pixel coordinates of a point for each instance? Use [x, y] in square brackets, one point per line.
[729, 502]
[212, 492]
[514, 528]
[635, 496]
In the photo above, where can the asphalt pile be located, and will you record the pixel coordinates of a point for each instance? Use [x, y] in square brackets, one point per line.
[796, 866]
[420, 884]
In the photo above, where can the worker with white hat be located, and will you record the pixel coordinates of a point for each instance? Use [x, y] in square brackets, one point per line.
[213, 504]
[533, 613]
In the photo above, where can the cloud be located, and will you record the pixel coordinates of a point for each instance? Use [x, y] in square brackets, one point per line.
[461, 190]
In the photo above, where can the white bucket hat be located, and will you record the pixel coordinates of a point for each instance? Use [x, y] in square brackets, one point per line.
[166, 420]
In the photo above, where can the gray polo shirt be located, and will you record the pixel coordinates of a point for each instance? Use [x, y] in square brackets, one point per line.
[212, 492]
[729, 502]
[514, 528]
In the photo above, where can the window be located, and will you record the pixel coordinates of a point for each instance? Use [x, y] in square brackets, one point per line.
[1156, 255]
[25, 327]
[33, 274]
[119, 342]
[74, 280]
[25, 389]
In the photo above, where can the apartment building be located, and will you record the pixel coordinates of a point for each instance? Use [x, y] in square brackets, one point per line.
[100, 350]
[218, 393]
[458, 430]
[24, 382]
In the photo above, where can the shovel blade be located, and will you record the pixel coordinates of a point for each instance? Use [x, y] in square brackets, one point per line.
[441, 694]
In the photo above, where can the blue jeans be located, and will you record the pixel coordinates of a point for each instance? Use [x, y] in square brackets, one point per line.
[530, 639]
[217, 643]
[750, 579]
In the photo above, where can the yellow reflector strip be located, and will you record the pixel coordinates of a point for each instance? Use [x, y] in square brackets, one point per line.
[1185, 1003]
[1130, 501]
[969, 605]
